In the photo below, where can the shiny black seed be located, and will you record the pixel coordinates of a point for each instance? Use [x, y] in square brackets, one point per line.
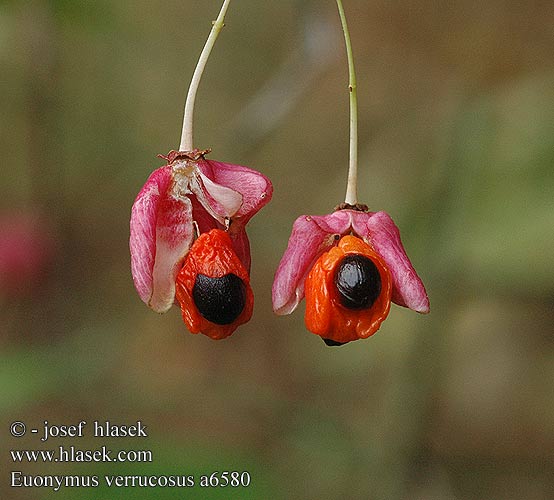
[333, 343]
[219, 300]
[358, 282]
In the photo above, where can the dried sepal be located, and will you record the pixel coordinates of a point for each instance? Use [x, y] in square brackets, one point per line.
[161, 233]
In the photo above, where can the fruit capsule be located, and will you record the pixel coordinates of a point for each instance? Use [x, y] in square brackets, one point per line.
[213, 287]
[348, 292]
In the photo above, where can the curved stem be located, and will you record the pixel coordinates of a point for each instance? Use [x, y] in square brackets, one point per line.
[186, 134]
[352, 185]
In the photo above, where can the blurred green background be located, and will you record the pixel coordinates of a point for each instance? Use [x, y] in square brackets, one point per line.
[456, 143]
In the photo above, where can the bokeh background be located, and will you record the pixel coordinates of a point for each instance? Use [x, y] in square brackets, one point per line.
[456, 143]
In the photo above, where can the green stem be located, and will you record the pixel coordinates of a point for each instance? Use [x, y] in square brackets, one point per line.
[186, 134]
[352, 184]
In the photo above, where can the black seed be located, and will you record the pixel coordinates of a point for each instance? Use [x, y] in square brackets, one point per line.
[333, 343]
[358, 282]
[219, 300]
